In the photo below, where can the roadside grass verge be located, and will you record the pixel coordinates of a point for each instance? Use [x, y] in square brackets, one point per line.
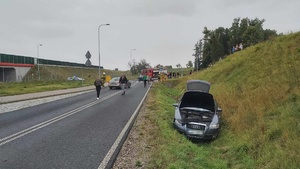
[172, 149]
[15, 88]
[259, 92]
[61, 73]
[54, 78]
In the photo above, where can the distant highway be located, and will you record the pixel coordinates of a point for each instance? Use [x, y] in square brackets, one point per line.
[76, 132]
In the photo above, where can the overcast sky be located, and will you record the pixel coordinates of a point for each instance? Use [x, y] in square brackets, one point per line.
[162, 31]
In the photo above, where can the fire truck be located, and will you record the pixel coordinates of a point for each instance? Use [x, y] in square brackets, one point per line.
[153, 73]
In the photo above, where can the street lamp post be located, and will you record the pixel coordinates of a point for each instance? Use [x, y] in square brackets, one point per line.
[130, 61]
[38, 57]
[99, 42]
[131, 54]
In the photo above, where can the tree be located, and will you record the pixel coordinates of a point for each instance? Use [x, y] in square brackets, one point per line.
[133, 67]
[168, 67]
[269, 34]
[254, 32]
[217, 49]
[221, 40]
[207, 57]
[136, 68]
[159, 66]
[235, 35]
[215, 46]
[197, 56]
[143, 64]
[189, 64]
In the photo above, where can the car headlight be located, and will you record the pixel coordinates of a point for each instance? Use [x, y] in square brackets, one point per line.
[177, 122]
[214, 126]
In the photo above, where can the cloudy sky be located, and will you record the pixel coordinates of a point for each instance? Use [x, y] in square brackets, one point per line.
[162, 31]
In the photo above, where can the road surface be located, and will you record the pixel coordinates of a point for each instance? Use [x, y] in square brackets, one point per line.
[75, 132]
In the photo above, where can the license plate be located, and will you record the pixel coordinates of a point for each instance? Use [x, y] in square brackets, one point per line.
[198, 132]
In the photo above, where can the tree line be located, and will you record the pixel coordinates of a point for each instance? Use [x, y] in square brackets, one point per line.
[217, 44]
[135, 68]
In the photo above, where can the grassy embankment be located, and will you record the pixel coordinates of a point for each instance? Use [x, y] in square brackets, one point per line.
[259, 92]
[54, 78]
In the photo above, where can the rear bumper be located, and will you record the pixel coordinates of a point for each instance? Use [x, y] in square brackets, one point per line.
[116, 86]
[119, 86]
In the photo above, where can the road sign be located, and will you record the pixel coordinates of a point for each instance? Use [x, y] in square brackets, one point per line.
[88, 55]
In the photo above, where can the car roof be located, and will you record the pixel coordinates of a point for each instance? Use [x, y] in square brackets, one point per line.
[198, 85]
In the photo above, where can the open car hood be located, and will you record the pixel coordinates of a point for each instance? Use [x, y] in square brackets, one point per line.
[196, 106]
[198, 85]
[198, 99]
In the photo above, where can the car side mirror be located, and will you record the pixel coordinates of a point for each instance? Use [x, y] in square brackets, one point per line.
[175, 104]
[219, 110]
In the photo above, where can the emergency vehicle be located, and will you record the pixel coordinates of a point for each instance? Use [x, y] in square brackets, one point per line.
[153, 73]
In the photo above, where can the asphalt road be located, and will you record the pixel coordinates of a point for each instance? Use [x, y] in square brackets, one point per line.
[76, 132]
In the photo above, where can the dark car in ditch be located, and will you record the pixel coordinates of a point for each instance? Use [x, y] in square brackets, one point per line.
[197, 114]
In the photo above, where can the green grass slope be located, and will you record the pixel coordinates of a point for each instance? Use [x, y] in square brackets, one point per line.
[57, 73]
[54, 78]
[259, 91]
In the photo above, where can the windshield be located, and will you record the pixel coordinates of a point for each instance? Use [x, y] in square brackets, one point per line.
[115, 79]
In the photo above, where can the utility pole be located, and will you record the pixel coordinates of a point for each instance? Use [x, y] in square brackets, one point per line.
[38, 62]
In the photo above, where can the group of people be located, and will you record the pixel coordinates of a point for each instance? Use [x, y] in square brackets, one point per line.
[237, 47]
[98, 83]
[173, 75]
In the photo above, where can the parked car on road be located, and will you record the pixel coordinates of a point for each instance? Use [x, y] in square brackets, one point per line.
[140, 78]
[114, 83]
[75, 78]
[197, 114]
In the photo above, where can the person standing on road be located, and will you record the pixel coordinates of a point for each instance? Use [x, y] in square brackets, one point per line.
[123, 81]
[98, 84]
[145, 78]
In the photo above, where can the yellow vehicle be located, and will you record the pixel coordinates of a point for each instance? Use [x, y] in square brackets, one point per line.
[105, 79]
[108, 78]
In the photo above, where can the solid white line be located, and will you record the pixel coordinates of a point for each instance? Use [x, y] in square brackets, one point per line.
[48, 122]
[41, 125]
[121, 135]
[45, 122]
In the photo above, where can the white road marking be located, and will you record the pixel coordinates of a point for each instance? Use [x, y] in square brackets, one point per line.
[8, 107]
[53, 120]
[106, 159]
[121, 135]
